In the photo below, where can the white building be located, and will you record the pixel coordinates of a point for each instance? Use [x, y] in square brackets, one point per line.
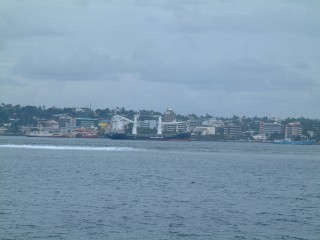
[270, 128]
[148, 124]
[170, 124]
[293, 129]
[204, 131]
[213, 122]
[260, 137]
[175, 127]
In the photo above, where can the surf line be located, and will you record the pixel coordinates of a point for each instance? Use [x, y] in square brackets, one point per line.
[75, 148]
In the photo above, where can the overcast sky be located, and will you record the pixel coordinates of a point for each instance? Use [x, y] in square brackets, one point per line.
[221, 57]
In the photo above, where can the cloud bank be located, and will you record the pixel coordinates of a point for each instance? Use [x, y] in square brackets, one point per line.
[217, 57]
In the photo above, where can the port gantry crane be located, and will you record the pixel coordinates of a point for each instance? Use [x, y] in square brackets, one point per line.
[119, 122]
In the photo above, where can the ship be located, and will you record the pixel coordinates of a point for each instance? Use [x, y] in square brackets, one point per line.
[85, 133]
[117, 131]
[151, 137]
[39, 134]
[290, 142]
[46, 134]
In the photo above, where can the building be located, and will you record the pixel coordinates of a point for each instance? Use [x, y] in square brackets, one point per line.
[48, 125]
[213, 122]
[293, 129]
[87, 123]
[3, 130]
[270, 128]
[260, 137]
[170, 124]
[169, 116]
[193, 123]
[175, 127]
[66, 122]
[204, 131]
[148, 124]
[232, 131]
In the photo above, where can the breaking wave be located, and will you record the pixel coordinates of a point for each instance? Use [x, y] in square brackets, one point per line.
[76, 148]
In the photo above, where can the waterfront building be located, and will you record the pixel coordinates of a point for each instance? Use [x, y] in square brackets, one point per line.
[3, 130]
[170, 124]
[213, 122]
[66, 122]
[48, 125]
[175, 127]
[169, 116]
[193, 123]
[293, 129]
[148, 124]
[204, 131]
[270, 128]
[232, 131]
[260, 137]
[87, 123]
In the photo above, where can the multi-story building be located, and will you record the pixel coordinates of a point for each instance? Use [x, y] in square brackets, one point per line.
[204, 131]
[193, 123]
[293, 129]
[232, 131]
[87, 123]
[170, 124]
[270, 128]
[66, 122]
[48, 125]
[213, 122]
[175, 127]
[169, 116]
[148, 124]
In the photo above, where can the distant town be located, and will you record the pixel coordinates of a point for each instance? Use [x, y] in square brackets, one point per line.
[88, 123]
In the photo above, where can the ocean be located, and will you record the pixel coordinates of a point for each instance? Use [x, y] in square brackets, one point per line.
[78, 189]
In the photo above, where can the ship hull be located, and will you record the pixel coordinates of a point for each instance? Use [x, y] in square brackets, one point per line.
[151, 137]
[289, 142]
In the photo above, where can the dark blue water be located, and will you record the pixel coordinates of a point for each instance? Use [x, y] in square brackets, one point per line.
[104, 189]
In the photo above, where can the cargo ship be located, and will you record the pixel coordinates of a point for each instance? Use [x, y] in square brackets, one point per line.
[151, 137]
[117, 131]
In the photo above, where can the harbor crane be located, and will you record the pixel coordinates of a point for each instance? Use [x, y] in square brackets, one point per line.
[119, 122]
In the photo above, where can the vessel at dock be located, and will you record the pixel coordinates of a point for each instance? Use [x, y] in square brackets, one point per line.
[39, 134]
[118, 131]
[151, 137]
[49, 134]
[290, 142]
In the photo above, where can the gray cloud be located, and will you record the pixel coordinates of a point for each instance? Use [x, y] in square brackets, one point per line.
[11, 28]
[9, 81]
[68, 62]
[241, 75]
[235, 56]
[273, 22]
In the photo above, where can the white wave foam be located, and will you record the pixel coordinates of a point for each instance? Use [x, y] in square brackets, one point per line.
[76, 148]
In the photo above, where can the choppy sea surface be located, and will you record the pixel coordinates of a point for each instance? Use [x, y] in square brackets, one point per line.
[107, 189]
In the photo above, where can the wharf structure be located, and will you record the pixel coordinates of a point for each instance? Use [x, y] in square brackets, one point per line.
[64, 126]
[167, 128]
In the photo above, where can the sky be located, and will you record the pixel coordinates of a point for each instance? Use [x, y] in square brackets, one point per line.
[217, 57]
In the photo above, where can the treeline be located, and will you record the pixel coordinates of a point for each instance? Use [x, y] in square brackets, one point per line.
[29, 115]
